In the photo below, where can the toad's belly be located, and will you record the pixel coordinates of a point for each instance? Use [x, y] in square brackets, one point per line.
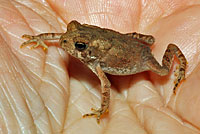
[124, 70]
[123, 66]
[126, 60]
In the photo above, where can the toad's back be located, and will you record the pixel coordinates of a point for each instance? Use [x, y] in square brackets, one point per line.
[128, 58]
[126, 54]
[116, 53]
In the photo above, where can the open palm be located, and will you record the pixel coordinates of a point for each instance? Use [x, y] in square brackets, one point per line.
[49, 92]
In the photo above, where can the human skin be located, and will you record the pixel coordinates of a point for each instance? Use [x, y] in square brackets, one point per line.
[48, 92]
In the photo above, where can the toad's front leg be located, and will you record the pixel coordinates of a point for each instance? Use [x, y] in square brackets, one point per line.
[105, 94]
[39, 39]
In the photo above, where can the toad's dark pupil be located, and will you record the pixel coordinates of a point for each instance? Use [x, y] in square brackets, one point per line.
[65, 41]
[80, 46]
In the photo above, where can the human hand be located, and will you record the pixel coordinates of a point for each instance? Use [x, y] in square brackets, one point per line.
[44, 93]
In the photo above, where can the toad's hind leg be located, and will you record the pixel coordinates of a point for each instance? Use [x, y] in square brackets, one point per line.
[167, 60]
[148, 39]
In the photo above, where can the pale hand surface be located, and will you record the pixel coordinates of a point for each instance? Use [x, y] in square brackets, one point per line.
[38, 94]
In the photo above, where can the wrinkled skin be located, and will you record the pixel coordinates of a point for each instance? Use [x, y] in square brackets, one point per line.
[49, 92]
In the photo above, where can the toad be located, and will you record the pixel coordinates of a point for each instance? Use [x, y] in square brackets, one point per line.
[107, 51]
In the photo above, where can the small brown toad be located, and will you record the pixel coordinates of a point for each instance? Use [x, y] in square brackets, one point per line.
[108, 51]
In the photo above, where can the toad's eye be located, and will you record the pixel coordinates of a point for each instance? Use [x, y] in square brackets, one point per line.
[80, 46]
[64, 41]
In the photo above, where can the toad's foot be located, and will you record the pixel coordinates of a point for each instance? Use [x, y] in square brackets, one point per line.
[34, 39]
[97, 113]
